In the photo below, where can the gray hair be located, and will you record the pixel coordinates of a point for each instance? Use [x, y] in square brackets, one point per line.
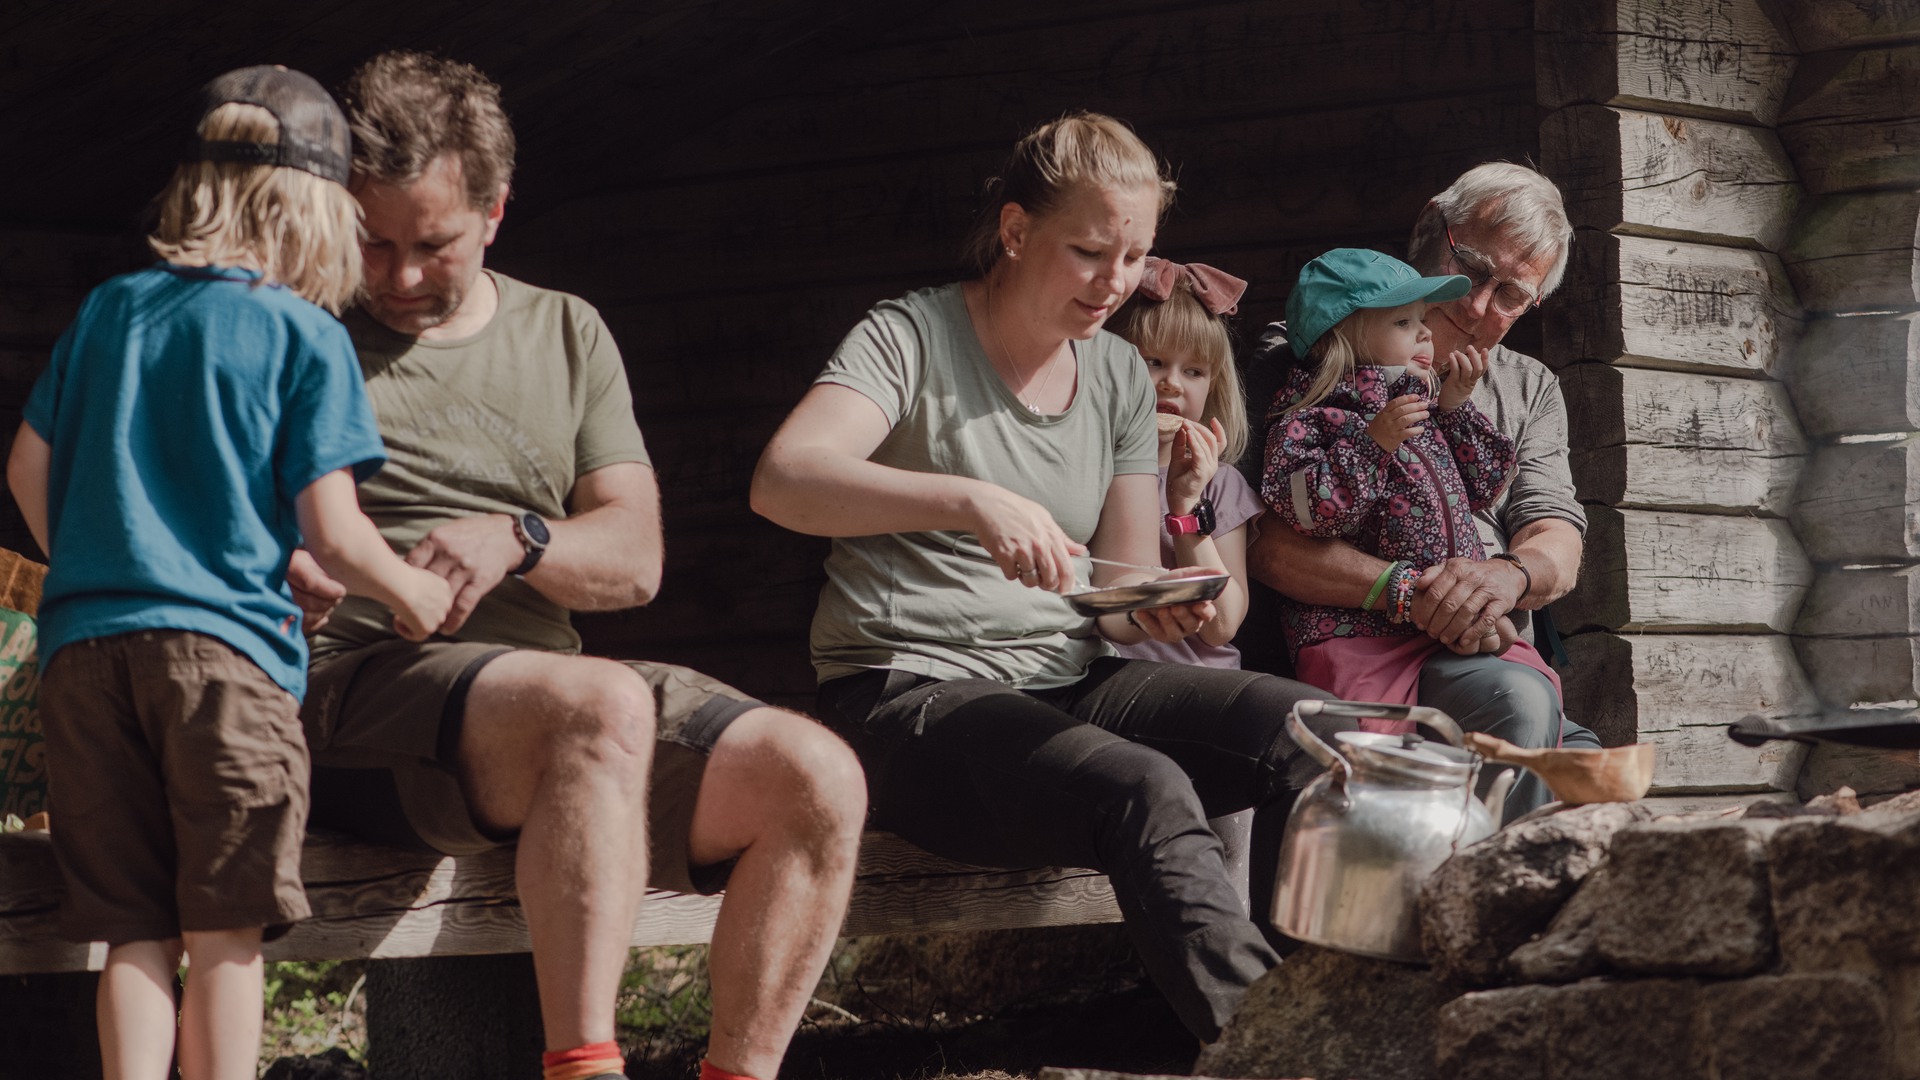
[1517, 200]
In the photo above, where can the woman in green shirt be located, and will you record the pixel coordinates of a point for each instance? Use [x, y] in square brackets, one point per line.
[967, 447]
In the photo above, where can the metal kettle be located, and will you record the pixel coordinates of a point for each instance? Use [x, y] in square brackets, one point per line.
[1366, 834]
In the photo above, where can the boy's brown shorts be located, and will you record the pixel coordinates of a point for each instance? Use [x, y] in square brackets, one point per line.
[177, 783]
[384, 721]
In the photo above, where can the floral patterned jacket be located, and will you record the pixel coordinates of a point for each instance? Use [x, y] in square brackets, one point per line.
[1326, 477]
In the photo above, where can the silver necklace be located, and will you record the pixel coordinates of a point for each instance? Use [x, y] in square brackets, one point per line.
[1007, 354]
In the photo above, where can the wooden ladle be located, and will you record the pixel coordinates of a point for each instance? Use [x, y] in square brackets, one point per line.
[1616, 774]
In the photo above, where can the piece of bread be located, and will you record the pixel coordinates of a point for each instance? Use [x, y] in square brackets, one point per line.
[1169, 423]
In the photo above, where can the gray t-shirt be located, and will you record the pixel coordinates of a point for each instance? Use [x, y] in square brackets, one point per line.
[499, 423]
[1523, 400]
[934, 602]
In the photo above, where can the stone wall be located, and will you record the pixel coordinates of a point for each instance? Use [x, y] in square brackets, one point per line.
[1611, 941]
[1729, 946]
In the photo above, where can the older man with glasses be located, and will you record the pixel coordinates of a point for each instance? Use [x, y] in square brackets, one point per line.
[1505, 227]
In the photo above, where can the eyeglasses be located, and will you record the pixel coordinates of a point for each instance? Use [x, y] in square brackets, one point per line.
[1510, 299]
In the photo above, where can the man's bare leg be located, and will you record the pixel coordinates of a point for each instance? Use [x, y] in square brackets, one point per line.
[788, 798]
[558, 747]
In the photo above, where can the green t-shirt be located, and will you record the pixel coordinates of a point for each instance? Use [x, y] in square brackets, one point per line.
[934, 602]
[501, 422]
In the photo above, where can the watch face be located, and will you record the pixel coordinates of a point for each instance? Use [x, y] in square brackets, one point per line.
[535, 528]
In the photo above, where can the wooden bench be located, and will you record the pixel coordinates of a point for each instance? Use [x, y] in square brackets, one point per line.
[377, 902]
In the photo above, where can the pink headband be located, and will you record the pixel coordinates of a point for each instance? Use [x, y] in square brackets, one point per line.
[1218, 291]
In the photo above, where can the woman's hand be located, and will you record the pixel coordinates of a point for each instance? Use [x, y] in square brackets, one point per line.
[1177, 622]
[1022, 537]
[1195, 459]
[1464, 370]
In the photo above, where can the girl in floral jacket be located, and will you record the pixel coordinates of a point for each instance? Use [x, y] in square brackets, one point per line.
[1361, 448]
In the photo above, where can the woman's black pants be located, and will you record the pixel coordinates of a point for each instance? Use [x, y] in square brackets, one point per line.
[1118, 772]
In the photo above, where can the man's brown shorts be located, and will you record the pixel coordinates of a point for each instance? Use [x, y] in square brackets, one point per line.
[177, 785]
[384, 721]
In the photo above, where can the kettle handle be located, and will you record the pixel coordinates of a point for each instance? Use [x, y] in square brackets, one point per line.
[1316, 747]
[1448, 728]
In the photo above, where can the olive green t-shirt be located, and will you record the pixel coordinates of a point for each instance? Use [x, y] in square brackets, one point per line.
[934, 602]
[502, 422]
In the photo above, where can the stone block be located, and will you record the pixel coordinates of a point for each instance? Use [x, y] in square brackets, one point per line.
[1687, 898]
[1330, 1014]
[1565, 953]
[1639, 1028]
[1499, 894]
[1846, 890]
[1494, 1035]
[1594, 1030]
[1789, 1027]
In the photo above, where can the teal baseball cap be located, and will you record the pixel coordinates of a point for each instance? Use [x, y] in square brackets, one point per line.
[1344, 280]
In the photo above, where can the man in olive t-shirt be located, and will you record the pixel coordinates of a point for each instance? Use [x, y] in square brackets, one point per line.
[516, 471]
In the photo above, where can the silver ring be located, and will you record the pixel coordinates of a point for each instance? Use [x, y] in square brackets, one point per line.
[1021, 571]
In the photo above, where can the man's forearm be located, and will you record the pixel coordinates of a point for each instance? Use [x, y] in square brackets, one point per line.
[1312, 571]
[1551, 548]
[605, 559]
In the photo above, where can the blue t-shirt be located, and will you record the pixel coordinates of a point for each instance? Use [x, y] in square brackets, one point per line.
[187, 407]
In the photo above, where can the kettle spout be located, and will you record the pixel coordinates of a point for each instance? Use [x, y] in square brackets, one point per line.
[1497, 795]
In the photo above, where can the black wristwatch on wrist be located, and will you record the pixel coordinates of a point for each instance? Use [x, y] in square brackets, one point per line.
[534, 536]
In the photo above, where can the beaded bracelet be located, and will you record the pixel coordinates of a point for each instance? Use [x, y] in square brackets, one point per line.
[1400, 593]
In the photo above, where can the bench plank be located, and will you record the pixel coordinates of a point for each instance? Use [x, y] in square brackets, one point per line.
[380, 902]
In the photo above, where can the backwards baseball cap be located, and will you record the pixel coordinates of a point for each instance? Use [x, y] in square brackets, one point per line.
[1344, 280]
[313, 130]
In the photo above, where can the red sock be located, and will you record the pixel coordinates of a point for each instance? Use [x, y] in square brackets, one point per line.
[709, 1072]
[582, 1062]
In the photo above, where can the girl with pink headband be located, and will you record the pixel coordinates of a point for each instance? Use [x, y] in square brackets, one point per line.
[1178, 322]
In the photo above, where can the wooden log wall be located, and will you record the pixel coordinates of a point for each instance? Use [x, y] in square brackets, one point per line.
[730, 262]
[1851, 124]
[44, 274]
[1672, 334]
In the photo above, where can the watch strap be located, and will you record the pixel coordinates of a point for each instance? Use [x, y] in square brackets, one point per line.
[1199, 523]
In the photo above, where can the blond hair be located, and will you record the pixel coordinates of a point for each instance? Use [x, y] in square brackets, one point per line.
[1081, 149]
[1341, 349]
[1181, 325]
[296, 229]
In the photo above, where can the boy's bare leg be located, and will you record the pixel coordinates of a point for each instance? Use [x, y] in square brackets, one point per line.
[135, 1002]
[788, 798]
[220, 1011]
[558, 748]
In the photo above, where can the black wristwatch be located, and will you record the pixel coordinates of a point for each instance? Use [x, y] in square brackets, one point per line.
[532, 530]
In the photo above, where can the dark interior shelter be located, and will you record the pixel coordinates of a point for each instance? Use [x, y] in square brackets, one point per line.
[734, 184]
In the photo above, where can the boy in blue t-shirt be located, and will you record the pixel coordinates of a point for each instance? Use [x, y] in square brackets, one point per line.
[198, 420]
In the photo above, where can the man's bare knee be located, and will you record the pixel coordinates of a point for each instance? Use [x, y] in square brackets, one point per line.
[779, 777]
[534, 718]
[609, 716]
[832, 775]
